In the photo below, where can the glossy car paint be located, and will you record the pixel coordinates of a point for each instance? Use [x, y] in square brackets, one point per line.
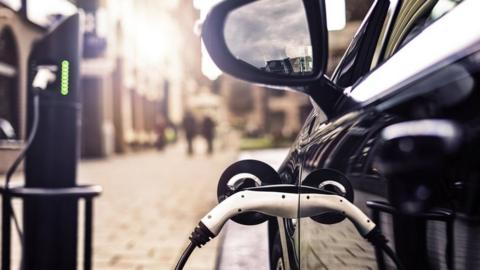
[444, 84]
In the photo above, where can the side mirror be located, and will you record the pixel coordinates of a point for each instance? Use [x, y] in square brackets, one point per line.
[272, 42]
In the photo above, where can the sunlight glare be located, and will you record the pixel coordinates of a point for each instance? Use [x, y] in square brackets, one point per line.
[336, 17]
[209, 69]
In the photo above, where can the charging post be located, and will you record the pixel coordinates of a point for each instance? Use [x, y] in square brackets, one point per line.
[50, 195]
[50, 222]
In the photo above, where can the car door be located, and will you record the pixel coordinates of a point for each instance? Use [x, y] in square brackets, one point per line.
[345, 143]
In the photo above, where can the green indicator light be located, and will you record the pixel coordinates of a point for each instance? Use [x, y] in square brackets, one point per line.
[64, 77]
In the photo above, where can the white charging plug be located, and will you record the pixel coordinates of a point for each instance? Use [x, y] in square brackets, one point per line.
[286, 205]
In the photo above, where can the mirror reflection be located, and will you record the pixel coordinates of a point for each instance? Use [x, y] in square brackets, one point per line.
[271, 35]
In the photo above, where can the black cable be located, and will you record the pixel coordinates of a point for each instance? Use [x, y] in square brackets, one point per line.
[186, 254]
[36, 118]
[392, 255]
[13, 168]
[200, 236]
[377, 239]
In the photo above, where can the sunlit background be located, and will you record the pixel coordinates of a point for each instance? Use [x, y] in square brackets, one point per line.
[147, 57]
[145, 75]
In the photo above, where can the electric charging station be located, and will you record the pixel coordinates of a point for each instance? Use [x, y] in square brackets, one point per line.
[50, 226]
[51, 194]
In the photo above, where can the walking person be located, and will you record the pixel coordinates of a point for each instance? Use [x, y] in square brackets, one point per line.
[189, 127]
[208, 132]
[160, 127]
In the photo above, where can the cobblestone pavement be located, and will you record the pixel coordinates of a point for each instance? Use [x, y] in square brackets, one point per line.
[151, 202]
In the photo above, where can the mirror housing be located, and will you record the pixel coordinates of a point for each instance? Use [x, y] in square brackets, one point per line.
[214, 39]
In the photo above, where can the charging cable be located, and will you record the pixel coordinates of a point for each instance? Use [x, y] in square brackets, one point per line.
[283, 201]
[13, 168]
[43, 76]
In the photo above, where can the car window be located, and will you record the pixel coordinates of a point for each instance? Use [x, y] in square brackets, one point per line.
[356, 60]
[413, 17]
[424, 54]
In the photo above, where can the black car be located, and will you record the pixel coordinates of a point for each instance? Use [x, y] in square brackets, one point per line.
[398, 121]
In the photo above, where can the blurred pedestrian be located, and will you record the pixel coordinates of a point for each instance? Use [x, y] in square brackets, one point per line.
[160, 127]
[189, 127]
[208, 132]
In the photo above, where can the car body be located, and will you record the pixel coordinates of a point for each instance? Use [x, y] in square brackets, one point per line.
[345, 143]
[409, 61]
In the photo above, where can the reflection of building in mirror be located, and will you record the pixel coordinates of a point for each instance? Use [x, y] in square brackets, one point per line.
[290, 66]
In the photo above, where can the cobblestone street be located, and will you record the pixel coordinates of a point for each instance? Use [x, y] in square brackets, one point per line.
[151, 202]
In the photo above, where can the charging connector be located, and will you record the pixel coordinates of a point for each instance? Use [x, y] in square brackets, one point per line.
[281, 201]
[286, 205]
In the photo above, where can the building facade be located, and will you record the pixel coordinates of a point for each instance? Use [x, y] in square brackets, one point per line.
[141, 67]
[17, 36]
